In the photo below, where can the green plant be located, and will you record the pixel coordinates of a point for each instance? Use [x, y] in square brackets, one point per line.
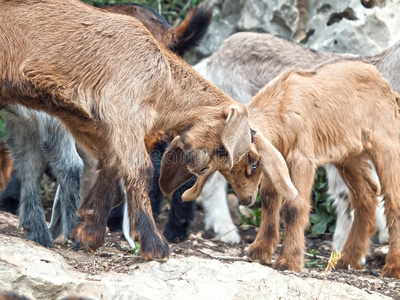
[136, 250]
[315, 261]
[323, 218]
[254, 215]
[254, 219]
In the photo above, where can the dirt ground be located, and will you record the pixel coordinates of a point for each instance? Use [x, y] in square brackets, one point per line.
[116, 255]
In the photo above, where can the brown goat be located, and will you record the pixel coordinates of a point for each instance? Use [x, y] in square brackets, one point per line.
[342, 113]
[112, 83]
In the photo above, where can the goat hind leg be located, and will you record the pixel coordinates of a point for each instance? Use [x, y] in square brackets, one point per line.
[363, 198]
[344, 214]
[22, 140]
[216, 210]
[66, 166]
[386, 157]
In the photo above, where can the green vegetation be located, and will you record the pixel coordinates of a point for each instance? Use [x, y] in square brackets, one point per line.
[322, 218]
[315, 261]
[254, 217]
[172, 10]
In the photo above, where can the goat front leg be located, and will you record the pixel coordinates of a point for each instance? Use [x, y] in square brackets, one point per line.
[153, 245]
[295, 213]
[181, 214]
[95, 208]
[267, 239]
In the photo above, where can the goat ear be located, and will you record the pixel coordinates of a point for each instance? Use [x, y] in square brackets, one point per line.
[274, 166]
[174, 172]
[236, 137]
[195, 191]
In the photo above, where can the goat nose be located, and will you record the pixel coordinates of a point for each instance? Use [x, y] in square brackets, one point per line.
[244, 202]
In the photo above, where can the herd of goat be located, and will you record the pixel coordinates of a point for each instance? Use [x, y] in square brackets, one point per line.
[105, 104]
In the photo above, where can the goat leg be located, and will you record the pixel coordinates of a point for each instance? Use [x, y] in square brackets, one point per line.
[94, 210]
[267, 239]
[153, 244]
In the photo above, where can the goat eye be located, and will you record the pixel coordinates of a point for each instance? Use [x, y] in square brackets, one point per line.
[255, 166]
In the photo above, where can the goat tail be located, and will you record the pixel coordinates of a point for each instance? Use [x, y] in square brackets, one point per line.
[193, 29]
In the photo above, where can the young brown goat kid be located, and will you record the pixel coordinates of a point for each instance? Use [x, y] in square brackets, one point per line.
[342, 113]
[112, 84]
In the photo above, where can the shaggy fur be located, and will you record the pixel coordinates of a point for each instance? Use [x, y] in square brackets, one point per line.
[342, 113]
[35, 140]
[31, 148]
[111, 83]
[246, 62]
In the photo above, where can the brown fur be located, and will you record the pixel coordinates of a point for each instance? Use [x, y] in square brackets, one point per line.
[342, 113]
[112, 83]
[179, 40]
[5, 167]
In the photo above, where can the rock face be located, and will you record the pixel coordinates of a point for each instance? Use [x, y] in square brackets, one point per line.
[363, 27]
[41, 273]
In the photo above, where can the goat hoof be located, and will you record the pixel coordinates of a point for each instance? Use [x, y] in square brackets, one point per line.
[283, 264]
[344, 263]
[233, 237]
[43, 238]
[75, 245]
[258, 254]
[90, 236]
[176, 233]
[391, 271]
[154, 248]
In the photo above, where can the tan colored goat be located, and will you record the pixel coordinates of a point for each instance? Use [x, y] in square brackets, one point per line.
[342, 113]
[112, 83]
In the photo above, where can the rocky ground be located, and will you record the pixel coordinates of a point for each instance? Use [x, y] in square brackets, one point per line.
[196, 266]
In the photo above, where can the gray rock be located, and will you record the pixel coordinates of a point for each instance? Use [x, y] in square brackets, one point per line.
[41, 273]
[349, 26]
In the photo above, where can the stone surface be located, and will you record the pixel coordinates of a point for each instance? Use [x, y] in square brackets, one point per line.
[350, 26]
[41, 273]
[7, 220]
